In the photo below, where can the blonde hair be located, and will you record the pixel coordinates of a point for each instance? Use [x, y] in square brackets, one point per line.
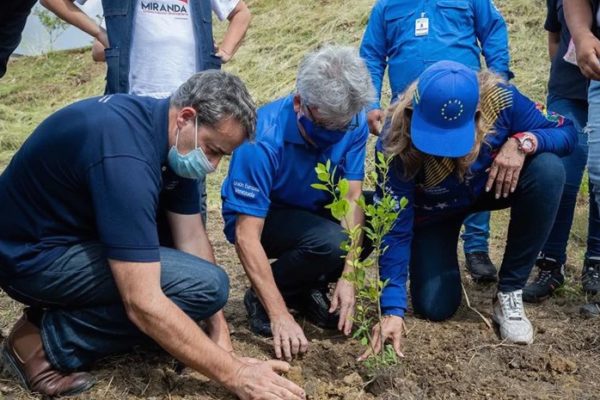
[397, 140]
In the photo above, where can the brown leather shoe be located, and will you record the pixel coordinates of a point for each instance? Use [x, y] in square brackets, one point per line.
[25, 357]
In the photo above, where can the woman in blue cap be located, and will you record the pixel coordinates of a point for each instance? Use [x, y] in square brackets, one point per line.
[463, 142]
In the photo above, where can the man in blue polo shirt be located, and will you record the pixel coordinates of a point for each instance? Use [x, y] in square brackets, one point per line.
[271, 211]
[88, 203]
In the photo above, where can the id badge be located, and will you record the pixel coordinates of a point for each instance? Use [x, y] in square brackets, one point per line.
[422, 26]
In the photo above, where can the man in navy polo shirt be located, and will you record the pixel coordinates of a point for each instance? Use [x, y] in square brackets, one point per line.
[100, 234]
[271, 211]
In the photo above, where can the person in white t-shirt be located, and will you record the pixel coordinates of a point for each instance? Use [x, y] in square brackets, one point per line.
[235, 11]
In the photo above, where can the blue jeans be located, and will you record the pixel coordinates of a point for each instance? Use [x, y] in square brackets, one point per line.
[476, 233]
[83, 315]
[593, 130]
[435, 285]
[556, 245]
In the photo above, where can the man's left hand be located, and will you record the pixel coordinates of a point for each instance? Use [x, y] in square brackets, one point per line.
[505, 169]
[343, 298]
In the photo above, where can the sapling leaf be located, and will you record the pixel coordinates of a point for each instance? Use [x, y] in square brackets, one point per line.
[343, 187]
[403, 202]
[323, 176]
[319, 186]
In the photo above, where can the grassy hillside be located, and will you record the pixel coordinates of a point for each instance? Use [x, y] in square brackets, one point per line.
[281, 33]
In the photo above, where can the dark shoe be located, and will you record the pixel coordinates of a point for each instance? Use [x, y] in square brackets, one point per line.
[257, 315]
[481, 267]
[316, 309]
[550, 277]
[590, 310]
[24, 356]
[590, 276]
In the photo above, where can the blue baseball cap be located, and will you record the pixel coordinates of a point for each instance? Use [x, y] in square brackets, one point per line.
[444, 106]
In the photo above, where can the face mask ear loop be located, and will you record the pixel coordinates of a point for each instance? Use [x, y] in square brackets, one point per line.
[196, 132]
[176, 138]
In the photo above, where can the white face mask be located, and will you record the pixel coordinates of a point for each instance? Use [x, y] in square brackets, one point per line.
[193, 165]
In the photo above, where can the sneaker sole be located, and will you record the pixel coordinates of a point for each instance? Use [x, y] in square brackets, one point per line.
[10, 366]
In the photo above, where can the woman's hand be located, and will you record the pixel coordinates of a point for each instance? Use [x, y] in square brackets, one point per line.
[392, 327]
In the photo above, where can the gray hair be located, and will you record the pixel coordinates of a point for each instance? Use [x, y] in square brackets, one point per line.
[217, 95]
[335, 80]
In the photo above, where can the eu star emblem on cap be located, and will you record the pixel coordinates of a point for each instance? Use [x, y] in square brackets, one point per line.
[444, 106]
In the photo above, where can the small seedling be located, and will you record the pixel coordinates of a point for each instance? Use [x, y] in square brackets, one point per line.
[380, 218]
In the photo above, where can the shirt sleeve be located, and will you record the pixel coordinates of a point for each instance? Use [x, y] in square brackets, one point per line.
[248, 185]
[491, 31]
[393, 263]
[552, 23]
[222, 8]
[373, 50]
[554, 133]
[124, 192]
[355, 159]
[184, 198]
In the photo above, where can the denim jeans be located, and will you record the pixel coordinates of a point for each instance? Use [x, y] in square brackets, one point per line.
[434, 272]
[556, 245]
[83, 316]
[476, 233]
[306, 246]
[593, 130]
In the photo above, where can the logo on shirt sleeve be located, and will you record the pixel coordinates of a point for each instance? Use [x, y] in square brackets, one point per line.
[551, 116]
[245, 189]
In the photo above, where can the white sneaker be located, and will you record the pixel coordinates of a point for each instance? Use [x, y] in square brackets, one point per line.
[509, 314]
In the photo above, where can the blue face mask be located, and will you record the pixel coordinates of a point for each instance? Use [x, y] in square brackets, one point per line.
[322, 137]
[193, 165]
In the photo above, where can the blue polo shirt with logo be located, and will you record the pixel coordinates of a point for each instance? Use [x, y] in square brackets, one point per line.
[93, 171]
[277, 169]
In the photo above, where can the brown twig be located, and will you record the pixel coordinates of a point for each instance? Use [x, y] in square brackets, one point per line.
[485, 320]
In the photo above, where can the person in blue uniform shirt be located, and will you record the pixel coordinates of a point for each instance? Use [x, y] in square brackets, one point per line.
[272, 212]
[463, 142]
[101, 235]
[407, 36]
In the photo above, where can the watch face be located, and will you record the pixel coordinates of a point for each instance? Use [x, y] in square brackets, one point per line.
[527, 145]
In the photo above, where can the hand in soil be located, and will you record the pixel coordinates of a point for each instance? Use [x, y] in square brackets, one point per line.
[257, 381]
[344, 298]
[288, 337]
[392, 328]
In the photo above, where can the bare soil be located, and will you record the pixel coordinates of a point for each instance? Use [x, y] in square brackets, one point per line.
[461, 358]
